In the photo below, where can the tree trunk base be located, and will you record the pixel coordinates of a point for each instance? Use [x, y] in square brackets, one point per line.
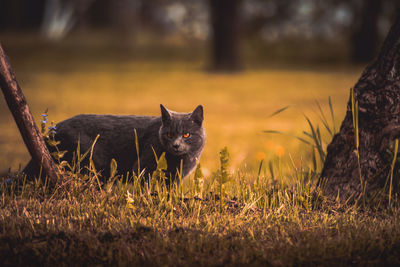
[345, 175]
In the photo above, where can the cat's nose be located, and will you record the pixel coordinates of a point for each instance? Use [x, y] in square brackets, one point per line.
[175, 146]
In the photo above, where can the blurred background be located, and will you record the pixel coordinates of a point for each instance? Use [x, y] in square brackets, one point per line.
[241, 59]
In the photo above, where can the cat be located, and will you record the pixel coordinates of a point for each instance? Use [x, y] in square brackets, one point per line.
[180, 135]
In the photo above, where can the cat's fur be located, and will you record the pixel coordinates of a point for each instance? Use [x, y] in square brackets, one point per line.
[167, 133]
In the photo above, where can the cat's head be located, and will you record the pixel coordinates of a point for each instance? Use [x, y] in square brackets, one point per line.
[182, 133]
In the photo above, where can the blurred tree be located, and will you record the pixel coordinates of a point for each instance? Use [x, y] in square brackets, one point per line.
[362, 23]
[360, 156]
[21, 14]
[98, 14]
[260, 14]
[61, 16]
[358, 22]
[365, 37]
[116, 14]
[123, 16]
[146, 12]
[225, 18]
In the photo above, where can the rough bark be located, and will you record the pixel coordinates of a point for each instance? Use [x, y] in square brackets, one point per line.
[225, 23]
[378, 95]
[23, 117]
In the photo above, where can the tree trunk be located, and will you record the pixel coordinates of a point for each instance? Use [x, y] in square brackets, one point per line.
[365, 37]
[225, 23]
[378, 95]
[21, 14]
[23, 117]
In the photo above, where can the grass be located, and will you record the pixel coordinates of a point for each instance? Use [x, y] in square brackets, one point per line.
[254, 202]
[267, 221]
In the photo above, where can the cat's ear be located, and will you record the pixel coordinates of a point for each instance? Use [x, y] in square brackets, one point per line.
[197, 115]
[165, 115]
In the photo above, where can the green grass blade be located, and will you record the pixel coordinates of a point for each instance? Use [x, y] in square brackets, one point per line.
[291, 135]
[332, 115]
[396, 148]
[316, 139]
[323, 118]
[278, 111]
[137, 150]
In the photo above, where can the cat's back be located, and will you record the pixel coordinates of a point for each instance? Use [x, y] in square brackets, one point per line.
[94, 124]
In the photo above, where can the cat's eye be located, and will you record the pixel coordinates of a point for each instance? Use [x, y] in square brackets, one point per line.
[186, 135]
[169, 135]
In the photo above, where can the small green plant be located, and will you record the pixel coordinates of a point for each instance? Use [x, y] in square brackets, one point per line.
[159, 173]
[48, 133]
[198, 181]
[222, 176]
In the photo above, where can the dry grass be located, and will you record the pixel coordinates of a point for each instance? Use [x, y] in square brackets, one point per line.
[267, 221]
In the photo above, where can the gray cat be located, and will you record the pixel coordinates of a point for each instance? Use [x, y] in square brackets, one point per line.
[180, 135]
